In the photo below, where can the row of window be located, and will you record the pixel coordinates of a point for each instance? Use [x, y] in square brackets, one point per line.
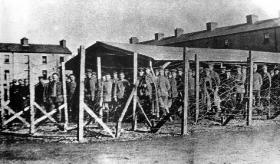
[26, 59]
[7, 74]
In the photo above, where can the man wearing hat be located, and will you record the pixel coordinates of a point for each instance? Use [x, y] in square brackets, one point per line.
[163, 87]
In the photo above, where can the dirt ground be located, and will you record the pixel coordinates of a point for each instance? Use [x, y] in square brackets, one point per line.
[207, 142]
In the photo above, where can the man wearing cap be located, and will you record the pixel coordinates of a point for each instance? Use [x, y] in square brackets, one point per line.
[107, 95]
[240, 79]
[173, 92]
[275, 85]
[71, 88]
[55, 94]
[90, 87]
[266, 86]
[257, 83]
[163, 87]
[145, 89]
[122, 87]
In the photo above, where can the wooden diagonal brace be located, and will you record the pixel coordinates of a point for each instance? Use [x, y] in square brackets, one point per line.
[98, 120]
[44, 112]
[143, 112]
[17, 116]
[45, 116]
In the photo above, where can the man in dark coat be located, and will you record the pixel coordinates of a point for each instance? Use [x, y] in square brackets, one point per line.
[71, 88]
[40, 97]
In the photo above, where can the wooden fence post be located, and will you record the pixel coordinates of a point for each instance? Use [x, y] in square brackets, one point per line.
[156, 104]
[32, 96]
[100, 87]
[250, 105]
[134, 116]
[66, 121]
[2, 97]
[184, 126]
[196, 88]
[81, 95]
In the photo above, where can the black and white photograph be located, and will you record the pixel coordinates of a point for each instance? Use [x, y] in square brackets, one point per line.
[140, 81]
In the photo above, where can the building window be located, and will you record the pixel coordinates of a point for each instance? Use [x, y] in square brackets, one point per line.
[61, 59]
[6, 74]
[26, 59]
[226, 43]
[45, 74]
[44, 60]
[266, 37]
[7, 59]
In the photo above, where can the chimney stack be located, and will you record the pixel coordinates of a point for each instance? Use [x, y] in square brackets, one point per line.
[251, 19]
[210, 26]
[159, 36]
[133, 40]
[24, 41]
[62, 43]
[178, 32]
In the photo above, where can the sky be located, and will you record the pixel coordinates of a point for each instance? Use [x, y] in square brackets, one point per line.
[83, 22]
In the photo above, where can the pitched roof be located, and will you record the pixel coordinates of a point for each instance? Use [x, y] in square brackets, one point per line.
[34, 48]
[227, 30]
[167, 53]
[155, 52]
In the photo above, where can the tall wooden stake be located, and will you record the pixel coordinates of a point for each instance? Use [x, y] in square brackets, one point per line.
[250, 105]
[135, 66]
[81, 95]
[32, 96]
[64, 96]
[99, 78]
[2, 97]
[184, 126]
[196, 88]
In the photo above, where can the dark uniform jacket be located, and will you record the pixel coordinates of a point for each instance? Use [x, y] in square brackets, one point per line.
[173, 88]
[145, 86]
[55, 90]
[121, 89]
[90, 87]
[71, 87]
[40, 93]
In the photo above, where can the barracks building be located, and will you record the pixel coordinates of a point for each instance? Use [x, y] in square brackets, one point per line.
[258, 35]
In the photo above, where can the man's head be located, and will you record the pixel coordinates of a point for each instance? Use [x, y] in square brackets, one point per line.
[115, 75]
[276, 71]
[55, 76]
[148, 71]
[238, 68]
[141, 72]
[180, 71]
[50, 78]
[72, 77]
[41, 79]
[211, 67]
[255, 67]
[122, 75]
[20, 82]
[93, 74]
[161, 72]
[264, 68]
[166, 72]
[108, 77]
[207, 71]
[156, 72]
[174, 73]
